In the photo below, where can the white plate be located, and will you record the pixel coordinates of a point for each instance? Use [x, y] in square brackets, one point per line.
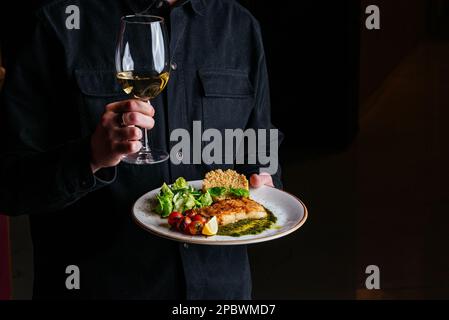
[291, 214]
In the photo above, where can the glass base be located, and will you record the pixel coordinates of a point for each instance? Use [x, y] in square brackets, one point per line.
[146, 157]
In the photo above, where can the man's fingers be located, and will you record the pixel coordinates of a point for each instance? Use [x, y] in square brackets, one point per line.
[127, 147]
[132, 105]
[137, 119]
[256, 181]
[108, 120]
[259, 180]
[126, 134]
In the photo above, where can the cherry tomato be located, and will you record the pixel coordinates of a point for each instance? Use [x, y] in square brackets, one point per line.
[199, 218]
[196, 227]
[183, 224]
[174, 217]
[190, 213]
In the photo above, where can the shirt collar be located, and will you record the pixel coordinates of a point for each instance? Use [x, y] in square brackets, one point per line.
[198, 6]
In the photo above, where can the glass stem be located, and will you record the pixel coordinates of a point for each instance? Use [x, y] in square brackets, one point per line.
[145, 141]
[145, 135]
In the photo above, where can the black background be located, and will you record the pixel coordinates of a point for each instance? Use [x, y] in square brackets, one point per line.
[312, 50]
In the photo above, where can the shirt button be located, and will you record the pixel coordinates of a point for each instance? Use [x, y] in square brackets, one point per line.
[174, 66]
[179, 155]
[186, 246]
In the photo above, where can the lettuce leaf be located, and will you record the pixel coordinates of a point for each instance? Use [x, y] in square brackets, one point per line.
[205, 199]
[166, 191]
[165, 205]
[189, 201]
[216, 191]
[183, 201]
[180, 184]
[241, 193]
[164, 201]
[178, 202]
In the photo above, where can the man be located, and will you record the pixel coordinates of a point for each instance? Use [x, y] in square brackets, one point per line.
[62, 116]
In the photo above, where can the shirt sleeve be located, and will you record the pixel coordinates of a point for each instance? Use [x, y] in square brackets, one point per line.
[261, 115]
[44, 159]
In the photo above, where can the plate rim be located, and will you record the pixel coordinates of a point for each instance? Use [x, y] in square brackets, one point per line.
[298, 225]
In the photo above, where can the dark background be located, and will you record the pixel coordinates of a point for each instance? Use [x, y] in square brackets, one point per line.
[312, 51]
[364, 116]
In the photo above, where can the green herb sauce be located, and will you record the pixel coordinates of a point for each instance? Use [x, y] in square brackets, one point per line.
[248, 226]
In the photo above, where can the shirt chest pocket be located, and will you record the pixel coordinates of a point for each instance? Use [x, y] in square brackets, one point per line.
[227, 99]
[97, 89]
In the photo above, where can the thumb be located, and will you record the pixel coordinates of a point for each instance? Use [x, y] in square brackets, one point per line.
[259, 180]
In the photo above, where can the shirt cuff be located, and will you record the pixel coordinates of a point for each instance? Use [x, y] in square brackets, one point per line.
[78, 172]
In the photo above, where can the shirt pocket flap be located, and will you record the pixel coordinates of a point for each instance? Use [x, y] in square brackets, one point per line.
[98, 83]
[225, 83]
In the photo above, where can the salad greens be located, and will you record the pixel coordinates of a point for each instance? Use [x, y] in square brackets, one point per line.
[180, 184]
[180, 196]
[244, 193]
[217, 192]
[165, 201]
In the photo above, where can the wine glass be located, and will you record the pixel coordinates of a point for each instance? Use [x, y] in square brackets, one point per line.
[142, 65]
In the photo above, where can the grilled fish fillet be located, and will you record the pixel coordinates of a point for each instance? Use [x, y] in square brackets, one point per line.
[233, 210]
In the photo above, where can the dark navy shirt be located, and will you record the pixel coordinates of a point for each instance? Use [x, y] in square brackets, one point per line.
[52, 101]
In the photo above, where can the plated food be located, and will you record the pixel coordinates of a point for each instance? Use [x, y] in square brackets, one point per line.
[222, 206]
[288, 211]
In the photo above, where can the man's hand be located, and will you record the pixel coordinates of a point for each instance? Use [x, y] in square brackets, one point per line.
[259, 180]
[118, 133]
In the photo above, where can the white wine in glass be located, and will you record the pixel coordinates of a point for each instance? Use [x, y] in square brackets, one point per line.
[142, 64]
[144, 86]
